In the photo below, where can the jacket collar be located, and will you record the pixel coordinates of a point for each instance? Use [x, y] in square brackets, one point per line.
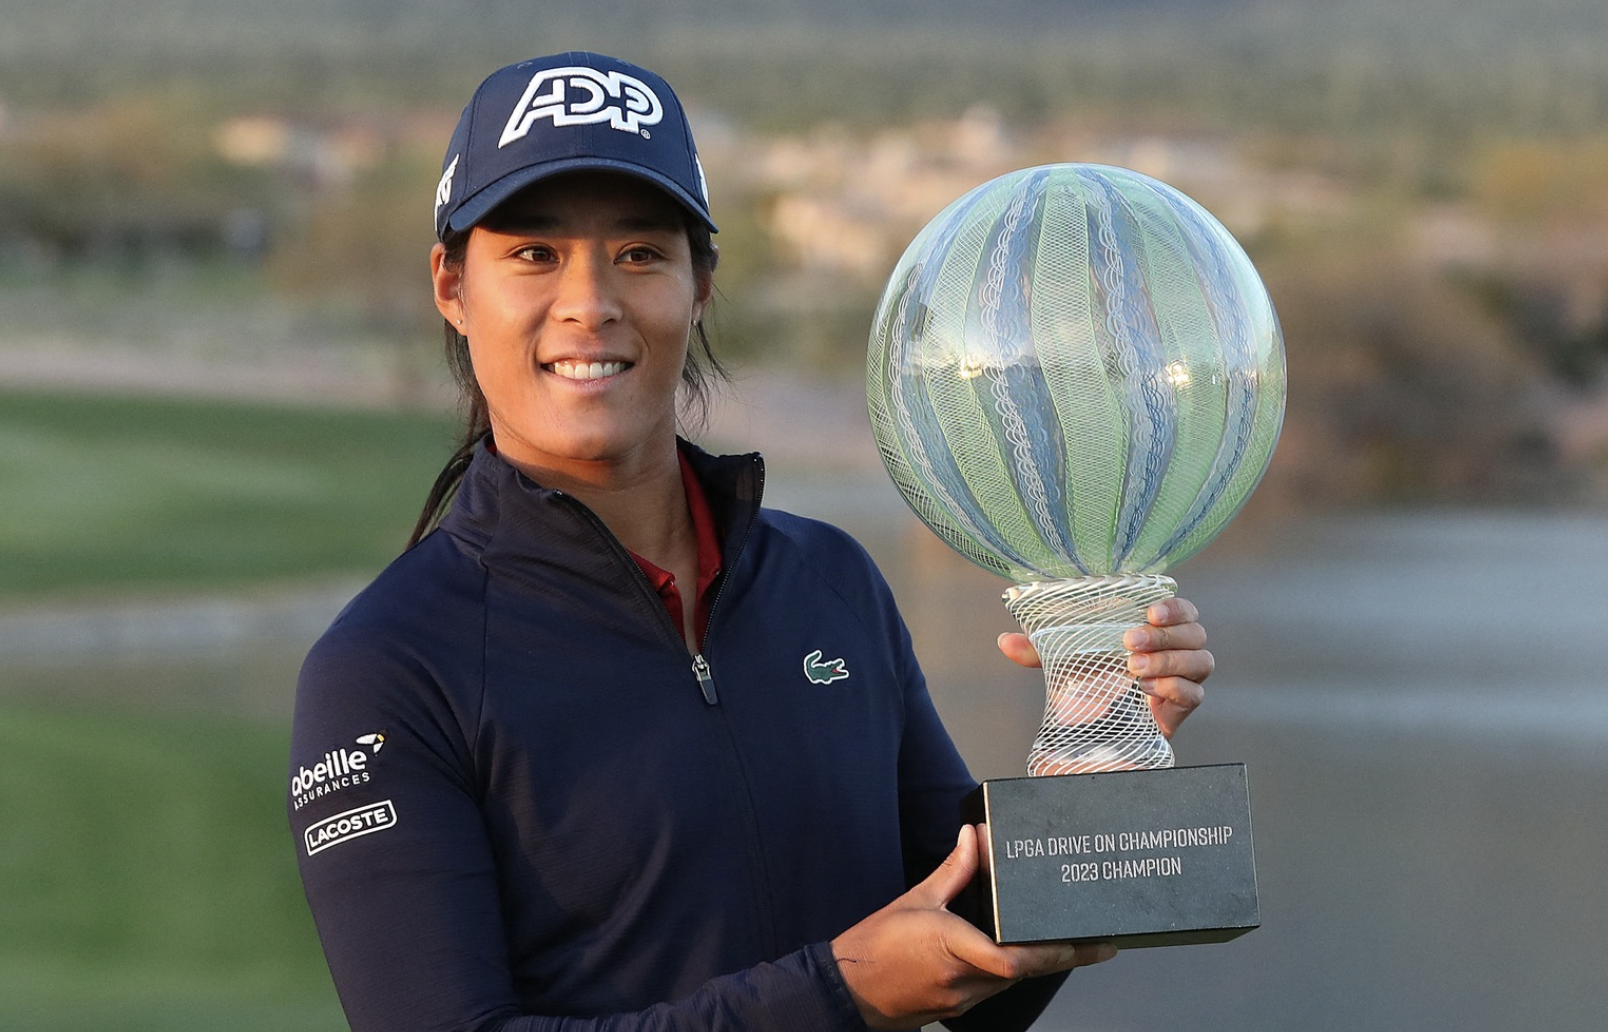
[505, 516]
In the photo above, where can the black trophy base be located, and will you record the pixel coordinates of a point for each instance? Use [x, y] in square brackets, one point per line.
[1134, 858]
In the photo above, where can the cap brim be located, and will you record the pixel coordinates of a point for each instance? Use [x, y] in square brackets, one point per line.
[475, 208]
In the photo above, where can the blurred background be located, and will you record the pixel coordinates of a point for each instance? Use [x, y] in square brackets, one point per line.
[222, 401]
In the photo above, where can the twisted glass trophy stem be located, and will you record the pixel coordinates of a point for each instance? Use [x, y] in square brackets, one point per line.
[1095, 716]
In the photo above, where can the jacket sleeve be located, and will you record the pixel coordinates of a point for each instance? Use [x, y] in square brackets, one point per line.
[400, 874]
[933, 780]
[801, 992]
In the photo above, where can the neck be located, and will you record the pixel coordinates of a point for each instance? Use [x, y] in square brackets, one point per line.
[644, 505]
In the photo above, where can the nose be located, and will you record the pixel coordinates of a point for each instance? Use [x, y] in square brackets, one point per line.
[588, 294]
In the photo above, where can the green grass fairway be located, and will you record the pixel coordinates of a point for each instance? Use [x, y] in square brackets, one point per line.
[150, 879]
[113, 493]
[147, 872]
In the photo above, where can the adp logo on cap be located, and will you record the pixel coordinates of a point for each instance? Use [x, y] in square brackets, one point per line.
[578, 95]
[560, 114]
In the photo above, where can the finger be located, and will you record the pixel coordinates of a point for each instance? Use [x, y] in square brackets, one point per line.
[985, 961]
[1065, 956]
[1171, 611]
[1153, 638]
[1178, 692]
[1018, 648]
[1190, 664]
[1172, 700]
[1032, 961]
[1094, 953]
[951, 876]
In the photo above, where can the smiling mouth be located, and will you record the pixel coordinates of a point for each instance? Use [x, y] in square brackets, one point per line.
[571, 370]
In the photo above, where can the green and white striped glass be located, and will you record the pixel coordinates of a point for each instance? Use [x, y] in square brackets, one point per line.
[1076, 378]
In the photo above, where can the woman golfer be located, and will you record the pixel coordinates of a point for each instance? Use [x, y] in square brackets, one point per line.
[567, 764]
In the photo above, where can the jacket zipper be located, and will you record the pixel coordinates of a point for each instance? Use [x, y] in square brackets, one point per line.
[706, 684]
[700, 665]
[706, 680]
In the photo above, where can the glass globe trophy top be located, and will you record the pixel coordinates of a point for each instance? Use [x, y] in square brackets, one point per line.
[1076, 378]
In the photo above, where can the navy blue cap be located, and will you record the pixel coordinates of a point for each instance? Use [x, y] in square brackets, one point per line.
[562, 113]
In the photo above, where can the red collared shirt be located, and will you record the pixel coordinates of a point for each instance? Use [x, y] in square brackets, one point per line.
[703, 526]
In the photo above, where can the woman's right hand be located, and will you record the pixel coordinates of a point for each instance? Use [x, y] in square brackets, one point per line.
[914, 962]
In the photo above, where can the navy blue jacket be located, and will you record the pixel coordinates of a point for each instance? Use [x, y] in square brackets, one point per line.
[519, 806]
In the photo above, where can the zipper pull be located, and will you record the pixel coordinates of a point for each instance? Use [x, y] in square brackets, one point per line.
[706, 680]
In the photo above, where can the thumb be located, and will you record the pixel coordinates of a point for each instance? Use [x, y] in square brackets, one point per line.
[1019, 649]
[951, 876]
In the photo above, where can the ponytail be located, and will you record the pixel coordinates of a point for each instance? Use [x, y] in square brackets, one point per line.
[477, 422]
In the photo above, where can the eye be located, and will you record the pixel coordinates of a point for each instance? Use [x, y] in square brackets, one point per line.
[535, 253]
[639, 254]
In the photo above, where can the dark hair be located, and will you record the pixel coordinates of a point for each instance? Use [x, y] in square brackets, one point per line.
[699, 376]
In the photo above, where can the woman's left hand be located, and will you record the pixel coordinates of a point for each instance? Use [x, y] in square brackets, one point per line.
[1168, 658]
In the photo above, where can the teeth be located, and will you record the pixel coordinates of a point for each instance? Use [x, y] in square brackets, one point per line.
[588, 370]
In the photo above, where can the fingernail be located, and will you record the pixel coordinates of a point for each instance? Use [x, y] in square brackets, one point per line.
[1138, 664]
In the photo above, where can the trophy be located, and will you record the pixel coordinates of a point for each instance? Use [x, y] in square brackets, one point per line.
[1076, 378]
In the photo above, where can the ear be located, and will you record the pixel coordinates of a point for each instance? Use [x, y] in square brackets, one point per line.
[448, 282]
[705, 291]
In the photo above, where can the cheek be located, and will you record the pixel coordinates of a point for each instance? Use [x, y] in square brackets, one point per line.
[500, 371]
[675, 318]
[675, 340]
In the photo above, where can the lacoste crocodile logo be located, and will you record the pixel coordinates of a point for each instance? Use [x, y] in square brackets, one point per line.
[824, 671]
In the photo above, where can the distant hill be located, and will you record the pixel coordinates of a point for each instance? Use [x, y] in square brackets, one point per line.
[64, 46]
[185, 25]
[1502, 65]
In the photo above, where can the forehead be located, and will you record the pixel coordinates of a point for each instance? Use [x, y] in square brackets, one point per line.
[588, 200]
